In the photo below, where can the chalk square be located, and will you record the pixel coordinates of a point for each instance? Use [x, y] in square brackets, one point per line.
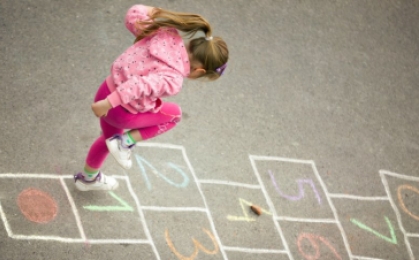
[111, 216]
[371, 224]
[293, 187]
[183, 235]
[230, 207]
[404, 193]
[163, 177]
[309, 239]
[60, 226]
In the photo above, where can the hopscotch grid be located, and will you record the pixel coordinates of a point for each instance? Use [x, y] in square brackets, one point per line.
[83, 238]
[230, 183]
[253, 158]
[143, 221]
[395, 208]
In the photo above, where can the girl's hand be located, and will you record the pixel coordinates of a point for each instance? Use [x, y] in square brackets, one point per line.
[101, 108]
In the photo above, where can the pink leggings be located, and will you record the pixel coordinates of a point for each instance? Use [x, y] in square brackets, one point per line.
[148, 124]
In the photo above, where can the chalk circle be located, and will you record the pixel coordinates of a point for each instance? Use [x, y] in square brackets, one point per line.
[37, 206]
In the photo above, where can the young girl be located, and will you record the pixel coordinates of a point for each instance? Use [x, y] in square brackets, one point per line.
[152, 68]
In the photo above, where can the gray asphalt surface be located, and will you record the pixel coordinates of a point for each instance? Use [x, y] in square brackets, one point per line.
[315, 121]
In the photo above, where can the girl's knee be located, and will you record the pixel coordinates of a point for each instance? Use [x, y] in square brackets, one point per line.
[173, 110]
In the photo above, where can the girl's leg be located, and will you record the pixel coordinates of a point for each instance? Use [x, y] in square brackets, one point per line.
[144, 126]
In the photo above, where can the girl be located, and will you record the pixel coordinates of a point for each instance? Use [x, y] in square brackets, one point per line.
[152, 68]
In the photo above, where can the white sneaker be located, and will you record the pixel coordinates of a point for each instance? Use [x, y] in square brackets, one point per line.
[119, 151]
[101, 182]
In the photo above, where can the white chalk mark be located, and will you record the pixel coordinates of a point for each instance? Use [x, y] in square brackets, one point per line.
[141, 213]
[364, 258]
[269, 201]
[175, 209]
[255, 250]
[231, 183]
[412, 235]
[399, 176]
[215, 233]
[6, 223]
[332, 207]
[49, 238]
[79, 240]
[310, 220]
[119, 241]
[271, 158]
[394, 206]
[35, 176]
[355, 197]
[74, 208]
[159, 145]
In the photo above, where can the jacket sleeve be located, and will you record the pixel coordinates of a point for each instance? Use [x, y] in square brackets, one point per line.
[136, 13]
[153, 86]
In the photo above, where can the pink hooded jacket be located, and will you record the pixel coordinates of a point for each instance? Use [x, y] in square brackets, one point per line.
[152, 68]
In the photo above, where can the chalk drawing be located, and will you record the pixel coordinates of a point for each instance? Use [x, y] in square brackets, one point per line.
[392, 239]
[245, 210]
[312, 238]
[124, 207]
[198, 246]
[141, 161]
[255, 158]
[383, 175]
[401, 202]
[301, 193]
[185, 157]
[37, 206]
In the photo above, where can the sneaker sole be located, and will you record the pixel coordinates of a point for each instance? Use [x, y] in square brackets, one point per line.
[85, 187]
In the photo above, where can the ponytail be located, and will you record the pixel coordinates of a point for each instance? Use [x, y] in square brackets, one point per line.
[211, 51]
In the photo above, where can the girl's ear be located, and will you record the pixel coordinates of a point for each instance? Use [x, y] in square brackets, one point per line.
[196, 73]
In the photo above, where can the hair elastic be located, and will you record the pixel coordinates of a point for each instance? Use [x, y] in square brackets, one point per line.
[221, 69]
[208, 38]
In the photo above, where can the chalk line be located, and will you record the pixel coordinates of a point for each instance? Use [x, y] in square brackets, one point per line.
[119, 241]
[143, 221]
[398, 175]
[74, 209]
[168, 209]
[355, 197]
[231, 183]
[310, 220]
[34, 175]
[396, 210]
[159, 145]
[364, 258]
[49, 238]
[332, 207]
[208, 212]
[5, 222]
[255, 250]
[415, 235]
[283, 159]
[253, 158]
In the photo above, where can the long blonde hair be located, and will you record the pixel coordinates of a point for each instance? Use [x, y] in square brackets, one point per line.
[212, 53]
